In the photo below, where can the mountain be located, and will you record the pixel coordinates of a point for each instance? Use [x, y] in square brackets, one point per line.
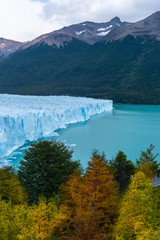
[125, 68]
[148, 27]
[91, 32]
[88, 32]
[8, 46]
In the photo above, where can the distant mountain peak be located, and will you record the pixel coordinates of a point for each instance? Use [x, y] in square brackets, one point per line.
[149, 26]
[156, 14]
[116, 19]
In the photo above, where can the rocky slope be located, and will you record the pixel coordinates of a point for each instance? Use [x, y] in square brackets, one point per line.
[8, 46]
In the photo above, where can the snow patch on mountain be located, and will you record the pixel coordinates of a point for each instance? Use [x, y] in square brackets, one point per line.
[78, 33]
[103, 33]
[104, 29]
[2, 45]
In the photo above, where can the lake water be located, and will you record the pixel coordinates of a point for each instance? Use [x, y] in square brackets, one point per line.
[130, 128]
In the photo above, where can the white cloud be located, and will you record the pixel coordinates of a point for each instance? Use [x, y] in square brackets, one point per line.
[21, 19]
[65, 12]
[26, 19]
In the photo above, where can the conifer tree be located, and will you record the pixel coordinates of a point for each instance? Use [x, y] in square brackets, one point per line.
[122, 169]
[148, 157]
[46, 165]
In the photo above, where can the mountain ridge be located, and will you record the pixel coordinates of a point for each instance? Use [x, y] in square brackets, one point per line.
[89, 32]
[149, 26]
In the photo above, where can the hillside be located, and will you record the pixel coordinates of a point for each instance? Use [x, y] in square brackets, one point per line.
[125, 69]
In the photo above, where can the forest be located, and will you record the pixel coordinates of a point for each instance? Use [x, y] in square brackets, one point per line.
[51, 197]
[126, 71]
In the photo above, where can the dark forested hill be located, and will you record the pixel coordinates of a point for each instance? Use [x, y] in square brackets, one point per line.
[126, 70]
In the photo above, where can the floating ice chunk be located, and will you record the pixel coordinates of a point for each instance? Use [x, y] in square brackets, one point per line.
[71, 145]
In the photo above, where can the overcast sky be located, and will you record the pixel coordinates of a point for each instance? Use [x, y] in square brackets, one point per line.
[26, 19]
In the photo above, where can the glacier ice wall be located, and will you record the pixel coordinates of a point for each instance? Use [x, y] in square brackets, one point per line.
[28, 118]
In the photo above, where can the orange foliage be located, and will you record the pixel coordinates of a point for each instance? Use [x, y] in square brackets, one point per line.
[92, 199]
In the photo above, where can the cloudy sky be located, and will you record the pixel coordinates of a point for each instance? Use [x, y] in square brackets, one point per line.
[26, 19]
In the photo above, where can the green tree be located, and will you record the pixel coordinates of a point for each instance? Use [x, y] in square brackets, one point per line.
[11, 188]
[46, 165]
[148, 157]
[122, 169]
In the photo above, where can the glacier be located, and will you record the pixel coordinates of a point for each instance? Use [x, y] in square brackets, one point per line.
[29, 118]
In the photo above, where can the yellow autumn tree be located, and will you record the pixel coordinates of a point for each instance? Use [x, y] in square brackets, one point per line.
[7, 229]
[139, 213]
[38, 221]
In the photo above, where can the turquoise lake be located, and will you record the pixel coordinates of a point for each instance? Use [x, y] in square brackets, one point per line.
[130, 128]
